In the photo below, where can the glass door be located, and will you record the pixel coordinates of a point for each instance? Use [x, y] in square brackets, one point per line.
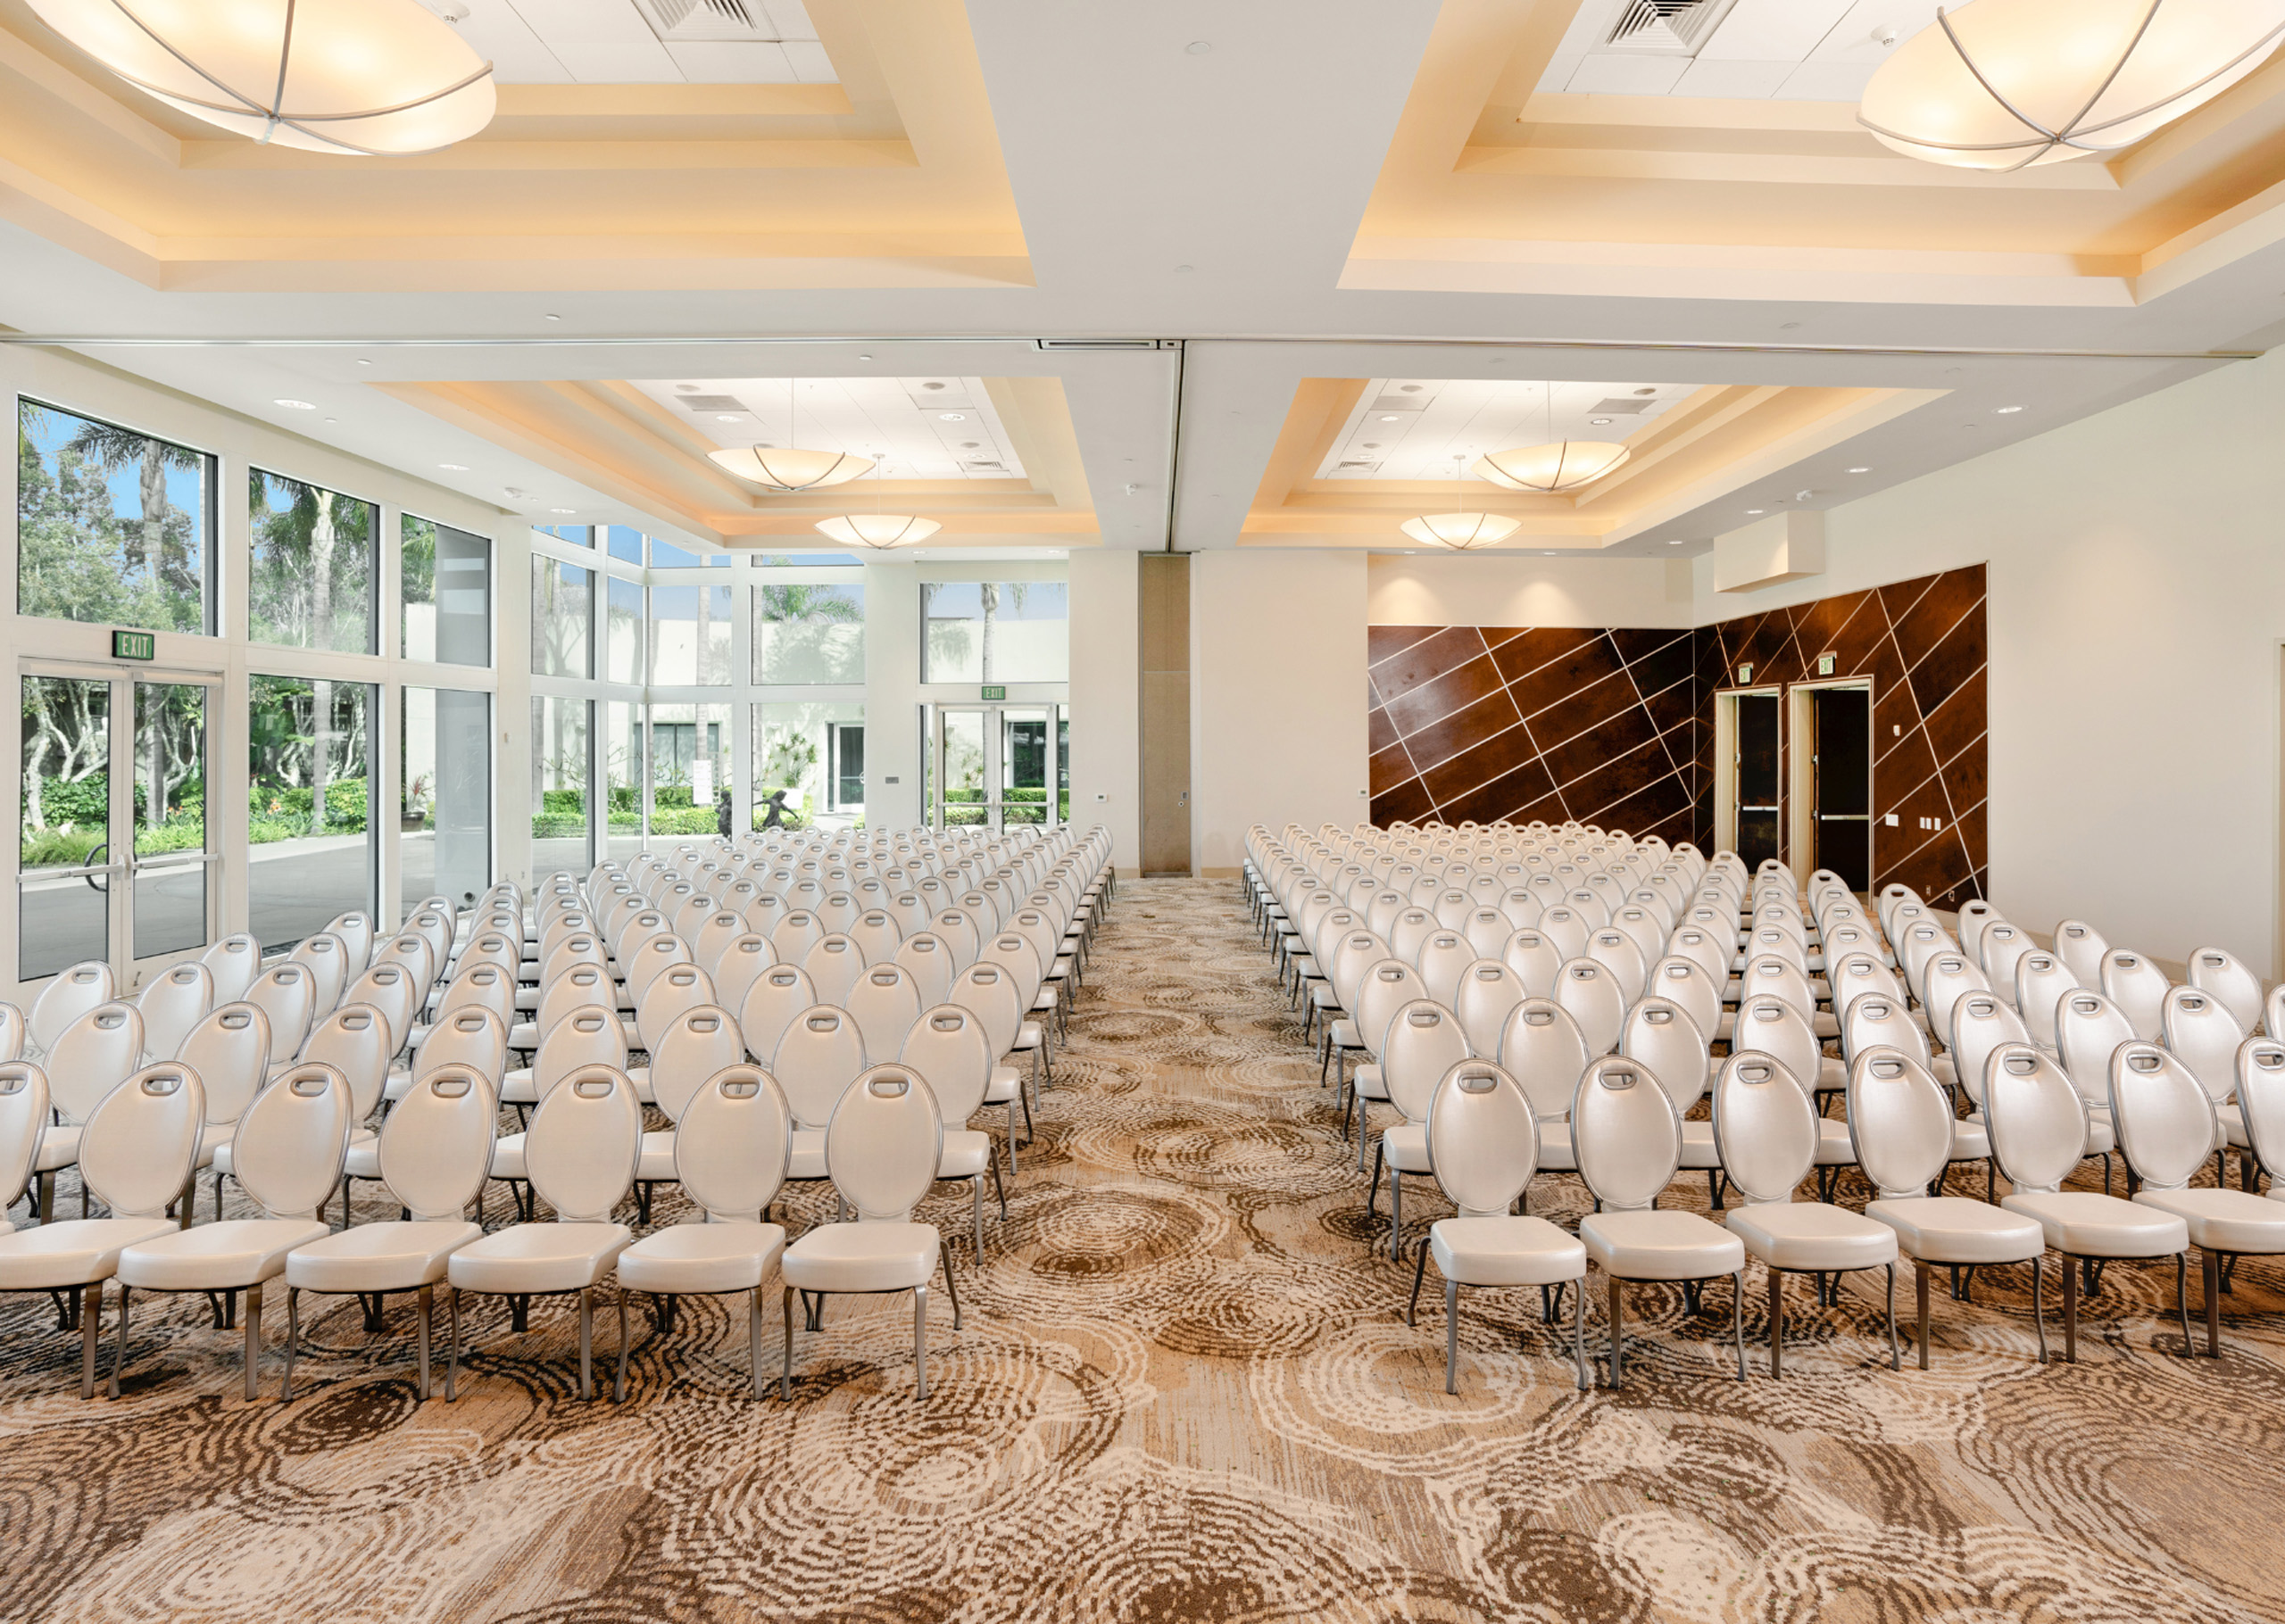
[115, 859]
[993, 766]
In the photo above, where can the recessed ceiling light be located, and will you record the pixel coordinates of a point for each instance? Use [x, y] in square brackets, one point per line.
[2005, 411]
[455, 467]
[363, 362]
[1753, 512]
[295, 405]
[864, 358]
[551, 316]
[564, 510]
[1391, 418]
[333, 419]
[726, 417]
[1598, 422]
[1181, 271]
[1676, 542]
[687, 388]
[953, 417]
[1199, 47]
[519, 494]
[1860, 470]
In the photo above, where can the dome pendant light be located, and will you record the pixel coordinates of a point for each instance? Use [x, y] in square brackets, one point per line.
[1555, 467]
[789, 468]
[1461, 532]
[2006, 84]
[369, 77]
[879, 532]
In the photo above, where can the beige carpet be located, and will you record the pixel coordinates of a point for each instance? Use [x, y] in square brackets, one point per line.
[1184, 1391]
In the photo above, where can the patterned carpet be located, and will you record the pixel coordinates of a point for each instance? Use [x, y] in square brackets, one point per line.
[1184, 1391]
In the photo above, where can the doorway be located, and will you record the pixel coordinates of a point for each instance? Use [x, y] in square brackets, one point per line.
[1747, 747]
[1832, 778]
[998, 766]
[117, 859]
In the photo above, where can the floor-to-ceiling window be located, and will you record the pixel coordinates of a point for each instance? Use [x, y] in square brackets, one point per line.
[807, 665]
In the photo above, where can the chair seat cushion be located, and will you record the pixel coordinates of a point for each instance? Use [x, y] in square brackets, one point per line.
[214, 1138]
[1835, 1148]
[1369, 1085]
[1505, 1251]
[1027, 1036]
[379, 1257]
[364, 1161]
[1047, 1002]
[1323, 997]
[539, 1258]
[2087, 1224]
[59, 1147]
[508, 1156]
[1405, 1147]
[1660, 1246]
[2232, 1121]
[656, 1164]
[969, 1154]
[1812, 1235]
[364, 1137]
[2223, 1219]
[516, 1087]
[1698, 1151]
[1344, 1035]
[1555, 1152]
[1955, 1230]
[693, 1259]
[216, 1256]
[1006, 1083]
[808, 1158]
[640, 1076]
[862, 1257]
[72, 1251]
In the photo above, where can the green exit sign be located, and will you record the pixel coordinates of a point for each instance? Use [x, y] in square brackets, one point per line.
[134, 645]
[996, 692]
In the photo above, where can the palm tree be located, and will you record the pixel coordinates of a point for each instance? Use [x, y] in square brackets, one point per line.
[113, 448]
[989, 592]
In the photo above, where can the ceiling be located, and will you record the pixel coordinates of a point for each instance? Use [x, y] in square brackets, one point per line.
[1272, 215]
[624, 42]
[1787, 50]
[912, 427]
[1416, 428]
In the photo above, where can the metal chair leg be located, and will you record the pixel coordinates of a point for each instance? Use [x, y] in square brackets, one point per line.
[951, 1289]
[293, 1336]
[2039, 1302]
[920, 1340]
[1419, 1271]
[1896, 1361]
[1617, 1335]
[1738, 1319]
[2070, 1311]
[428, 1316]
[91, 1314]
[118, 1359]
[1920, 1290]
[1451, 1334]
[1776, 1324]
[2211, 1266]
[785, 1376]
[753, 1340]
[1579, 1332]
[452, 1361]
[253, 1336]
[2181, 1301]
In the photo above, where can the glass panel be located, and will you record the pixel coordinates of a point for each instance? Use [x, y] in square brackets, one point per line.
[170, 816]
[690, 636]
[309, 757]
[1023, 766]
[690, 770]
[964, 769]
[791, 767]
[806, 560]
[846, 767]
[623, 631]
[112, 526]
[626, 544]
[805, 632]
[562, 595]
[310, 582]
[66, 825]
[446, 576]
[996, 632]
[445, 819]
[559, 827]
[623, 776]
[1062, 764]
[578, 535]
[666, 555]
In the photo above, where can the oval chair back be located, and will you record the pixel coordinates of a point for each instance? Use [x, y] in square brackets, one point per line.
[286, 994]
[884, 1144]
[23, 1122]
[1875, 1020]
[2201, 1031]
[1981, 1025]
[95, 1055]
[733, 1144]
[2089, 1028]
[947, 1045]
[1483, 1138]
[2219, 971]
[1591, 996]
[589, 1036]
[140, 1145]
[393, 990]
[1660, 1035]
[678, 989]
[327, 963]
[885, 1003]
[1900, 1121]
[1765, 1129]
[821, 1053]
[233, 962]
[354, 1040]
[779, 994]
[697, 1044]
[2037, 1122]
[2138, 988]
[1424, 1040]
[2261, 1098]
[2081, 947]
[1489, 993]
[471, 1037]
[289, 1148]
[230, 1051]
[2042, 981]
[171, 1005]
[2163, 1114]
[581, 1151]
[1624, 1134]
[1542, 1048]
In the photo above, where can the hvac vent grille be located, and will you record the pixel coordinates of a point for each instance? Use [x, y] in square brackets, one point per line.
[1666, 27]
[1626, 406]
[711, 402]
[677, 20]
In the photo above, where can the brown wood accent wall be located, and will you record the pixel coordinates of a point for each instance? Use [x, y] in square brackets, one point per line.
[1616, 726]
[1164, 606]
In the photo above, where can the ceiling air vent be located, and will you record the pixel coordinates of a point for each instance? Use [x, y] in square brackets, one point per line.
[1666, 27]
[682, 20]
[710, 403]
[1107, 344]
[1606, 409]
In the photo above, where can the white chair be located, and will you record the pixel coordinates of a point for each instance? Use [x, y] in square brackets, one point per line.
[927, 958]
[583, 1041]
[95, 1055]
[11, 1033]
[287, 1153]
[884, 1147]
[287, 995]
[2003, 946]
[74, 991]
[715, 934]
[731, 1148]
[580, 1155]
[136, 1154]
[354, 1040]
[1628, 1143]
[1483, 1141]
[434, 1154]
[701, 1043]
[778, 996]
[23, 1119]
[354, 933]
[948, 1048]
[1591, 995]
[1662, 1038]
[885, 1003]
[1904, 1131]
[2039, 1134]
[327, 963]
[173, 1003]
[1424, 1040]
[233, 962]
[834, 965]
[2220, 973]
[391, 991]
[2042, 981]
[1489, 993]
[1444, 958]
[794, 934]
[2199, 1031]
[2081, 946]
[741, 963]
[1769, 1135]
[821, 1056]
[2138, 988]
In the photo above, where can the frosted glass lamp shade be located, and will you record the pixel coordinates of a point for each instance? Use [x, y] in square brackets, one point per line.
[1565, 465]
[790, 467]
[1462, 532]
[371, 78]
[879, 531]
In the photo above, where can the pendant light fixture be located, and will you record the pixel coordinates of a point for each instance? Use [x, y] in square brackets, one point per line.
[369, 77]
[877, 531]
[1461, 532]
[2006, 84]
[1555, 466]
[788, 469]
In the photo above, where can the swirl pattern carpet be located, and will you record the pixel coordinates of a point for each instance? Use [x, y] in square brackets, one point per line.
[1184, 1391]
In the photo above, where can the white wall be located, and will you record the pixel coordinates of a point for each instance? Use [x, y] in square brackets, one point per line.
[1499, 590]
[892, 691]
[1277, 695]
[2137, 582]
[1106, 698]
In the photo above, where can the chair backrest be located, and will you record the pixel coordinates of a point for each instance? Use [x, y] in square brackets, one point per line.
[497, 949]
[1616, 951]
[697, 1043]
[834, 963]
[174, 1002]
[1444, 958]
[885, 1003]
[1660, 1034]
[1487, 929]
[877, 934]
[470, 1036]
[959, 930]
[583, 1144]
[2036, 1118]
[820, 1055]
[1852, 974]
[2089, 1028]
[1385, 988]
[2220, 973]
[1710, 951]
[1489, 993]
[2164, 1114]
[884, 1144]
[2003, 945]
[23, 1122]
[2261, 1098]
[947, 1045]
[654, 958]
[673, 990]
[1898, 1120]
[479, 986]
[328, 962]
[286, 994]
[1542, 1048]
[2198, 1028]
[1770, 975]
[1982, 1024]
[576, 988]
[394, 991]
[1483, 1138]
[733, 1143]
[1592, 997]
[414, 951]
[589, 1036]
[1976, 918]
[1424, 1040]
[989, 992]
[12, 1032]
[137, 1149]
[927, 958]
[779, 994]
[1567, 928]
[95, 1055]
[1773, 1027]
[1624, 1134]
[2042, 981]
[1765, 1129]
[230, 1052]
[2081, 946]
[233, 962]
[1880, 1020]
[1535, 959]
[435, 1146]
[75, 990]
[290, 1146]
[354, 1040]
[742, 961]
[2138, 988]
[1948, 978]
[716, 933]
[1686, 982]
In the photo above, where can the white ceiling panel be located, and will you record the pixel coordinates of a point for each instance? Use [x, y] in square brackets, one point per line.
[1413, 428]
[1733, 81]
[1793, 50]
[733, 62]
[1626, 74]
[1773, 30]
[1827, 81]
[914, 428]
